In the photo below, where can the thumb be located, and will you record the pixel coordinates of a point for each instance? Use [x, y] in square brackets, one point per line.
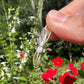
[68, 28]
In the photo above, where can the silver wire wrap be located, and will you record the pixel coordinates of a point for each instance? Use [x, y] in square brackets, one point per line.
[43, 38]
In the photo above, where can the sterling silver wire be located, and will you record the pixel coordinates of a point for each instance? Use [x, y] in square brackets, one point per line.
[43, 38]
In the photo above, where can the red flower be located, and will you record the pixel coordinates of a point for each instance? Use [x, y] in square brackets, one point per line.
[71, 65]
[57, 62]
[45, 77]
[21, 55]
[37, 44]
[73, 69]
[27, 56]
[82, 66]
[65, 68]
[48, 75]
[67, 78]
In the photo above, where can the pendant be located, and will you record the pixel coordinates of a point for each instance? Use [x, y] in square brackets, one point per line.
[42, 40]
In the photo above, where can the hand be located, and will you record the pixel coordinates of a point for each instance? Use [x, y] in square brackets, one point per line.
[67, 23]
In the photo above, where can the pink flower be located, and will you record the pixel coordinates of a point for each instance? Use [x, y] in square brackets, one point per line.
[82, 66]
[49, 49]
[67, 78]
[48, 75]
[57, 62]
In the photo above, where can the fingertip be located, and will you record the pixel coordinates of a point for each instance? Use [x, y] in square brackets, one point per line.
[49, 15]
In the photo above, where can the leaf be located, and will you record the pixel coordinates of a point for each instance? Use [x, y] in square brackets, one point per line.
[23, 78]
[45, 57]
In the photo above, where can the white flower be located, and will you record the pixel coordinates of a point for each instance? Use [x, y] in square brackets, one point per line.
[6, 68]
[4, 63]
[44, 50]
[35, 32]
[28, 33]
[8, 74]
[36, 43]
[12, 22]
[32, 36]
[2, 73]
[23, 60]
[13, 30]
[28, 51]
[25, 54]
[32, 17]
[18, 20]
[18, 55]
[21, 46]
[27, 40]
[9, 34]
[14, 18]
[10, 25]
[16, 63]
[16, 77]
[9, 16]
[20, 66]
[18, 51]
[20, 37]
[31, 46]
[1, 56]
[2, 78]
[34, 39]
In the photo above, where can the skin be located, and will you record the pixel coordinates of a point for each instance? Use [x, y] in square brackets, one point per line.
[71, 28]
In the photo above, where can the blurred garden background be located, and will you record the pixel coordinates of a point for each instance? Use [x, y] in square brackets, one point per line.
[21, 21]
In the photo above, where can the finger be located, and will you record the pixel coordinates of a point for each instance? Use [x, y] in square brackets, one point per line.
[53, 36]
[67, 28]
[74, 7]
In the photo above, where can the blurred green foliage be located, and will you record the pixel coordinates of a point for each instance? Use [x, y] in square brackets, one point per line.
[18, 24]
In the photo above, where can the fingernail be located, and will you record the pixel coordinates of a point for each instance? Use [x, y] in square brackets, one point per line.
[59, 17]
